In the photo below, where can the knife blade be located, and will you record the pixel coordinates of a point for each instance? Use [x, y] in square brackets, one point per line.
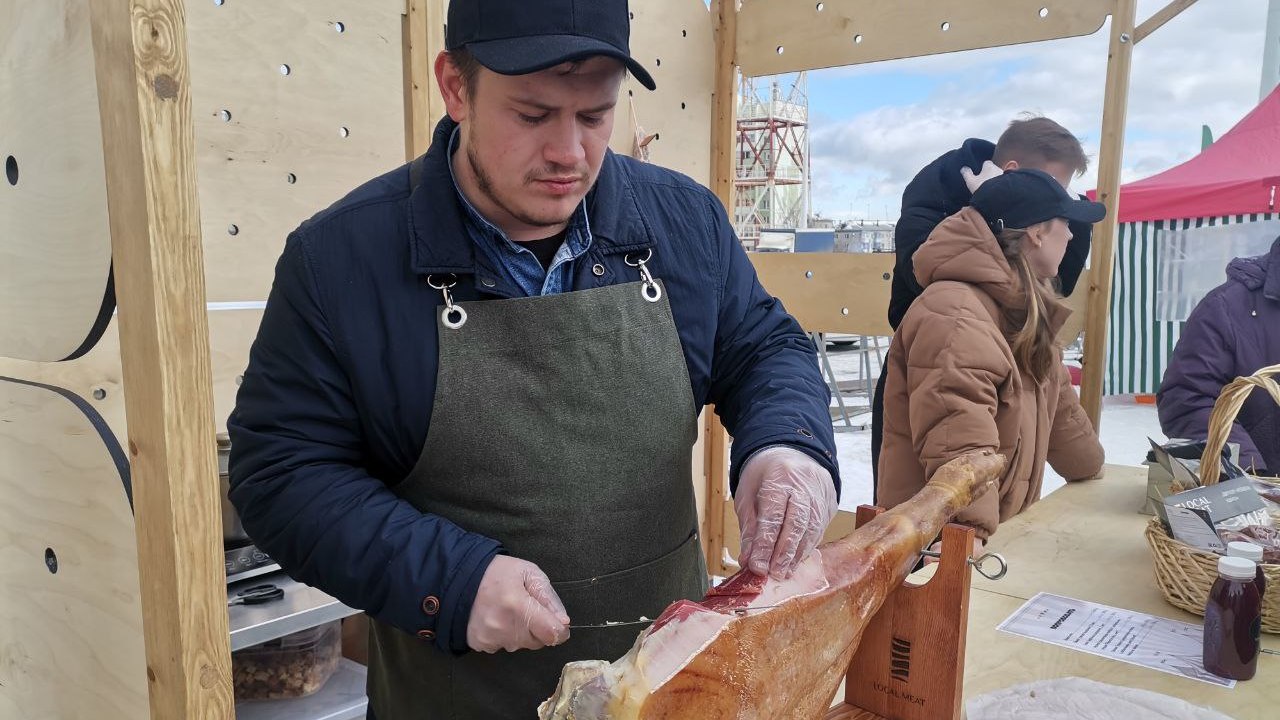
[612, 624]
[740, 612]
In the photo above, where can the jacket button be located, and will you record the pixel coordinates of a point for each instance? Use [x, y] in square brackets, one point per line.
[426, 635]
[597, 270]
[431, 605]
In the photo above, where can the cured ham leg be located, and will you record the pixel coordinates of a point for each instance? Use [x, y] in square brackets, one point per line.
[766, 649]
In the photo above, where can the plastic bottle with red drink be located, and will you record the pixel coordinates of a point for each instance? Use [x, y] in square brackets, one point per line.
[1233, 621]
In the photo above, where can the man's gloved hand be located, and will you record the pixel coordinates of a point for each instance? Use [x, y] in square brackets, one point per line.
[515, 609]
[784, 502]
[973, 182]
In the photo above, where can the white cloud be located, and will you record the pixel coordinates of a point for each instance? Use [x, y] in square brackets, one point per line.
[1203, 67]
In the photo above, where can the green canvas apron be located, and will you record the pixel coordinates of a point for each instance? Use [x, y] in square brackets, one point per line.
[563, 427]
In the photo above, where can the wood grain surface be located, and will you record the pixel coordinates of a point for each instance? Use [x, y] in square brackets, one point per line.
[71, 641]
[164, 343]
[815, 35]
[55, 247]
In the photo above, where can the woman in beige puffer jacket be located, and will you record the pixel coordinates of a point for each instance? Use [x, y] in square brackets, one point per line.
[974, 365]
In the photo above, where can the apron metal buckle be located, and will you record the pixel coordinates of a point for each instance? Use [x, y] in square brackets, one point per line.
[651, 290]
[453, 316]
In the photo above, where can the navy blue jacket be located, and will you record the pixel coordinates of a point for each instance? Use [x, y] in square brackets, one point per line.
[938, 192]
[337, 397]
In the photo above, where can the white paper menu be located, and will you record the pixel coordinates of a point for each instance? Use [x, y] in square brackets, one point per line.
[1169, 646]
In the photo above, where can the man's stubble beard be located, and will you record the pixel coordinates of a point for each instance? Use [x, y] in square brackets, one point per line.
[484, 184]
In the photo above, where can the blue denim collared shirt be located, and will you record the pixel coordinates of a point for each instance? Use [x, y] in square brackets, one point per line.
[520, 264]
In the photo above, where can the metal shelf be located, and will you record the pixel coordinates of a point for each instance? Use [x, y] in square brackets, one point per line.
[246, 574]
[341, 698]
[301, 607]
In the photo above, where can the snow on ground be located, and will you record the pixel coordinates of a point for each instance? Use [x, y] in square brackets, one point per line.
[1126, 424]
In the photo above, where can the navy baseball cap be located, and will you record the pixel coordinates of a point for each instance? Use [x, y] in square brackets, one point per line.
[517, 37]
[1021, 198]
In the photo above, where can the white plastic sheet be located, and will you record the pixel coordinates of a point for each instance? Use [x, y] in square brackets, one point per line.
[1075, 698]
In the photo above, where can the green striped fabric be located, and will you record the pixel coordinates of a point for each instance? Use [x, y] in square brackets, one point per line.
[1138, 344]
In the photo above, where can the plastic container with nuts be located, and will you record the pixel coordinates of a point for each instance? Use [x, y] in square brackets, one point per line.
[292, 666]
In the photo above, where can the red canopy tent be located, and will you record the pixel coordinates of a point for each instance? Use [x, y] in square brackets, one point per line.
[1237, 175]
[1234, 180]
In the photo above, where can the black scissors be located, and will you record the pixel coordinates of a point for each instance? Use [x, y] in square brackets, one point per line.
[257, 595]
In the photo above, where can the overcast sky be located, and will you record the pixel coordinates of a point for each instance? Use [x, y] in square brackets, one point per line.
[875, 126]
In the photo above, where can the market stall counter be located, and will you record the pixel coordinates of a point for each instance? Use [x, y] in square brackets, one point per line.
[1085, 541]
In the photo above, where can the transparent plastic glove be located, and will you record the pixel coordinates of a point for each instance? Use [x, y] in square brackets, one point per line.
[973, 182]
[784, 502]
[515, 609]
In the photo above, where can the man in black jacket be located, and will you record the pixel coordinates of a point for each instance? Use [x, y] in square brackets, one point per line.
[946, 185]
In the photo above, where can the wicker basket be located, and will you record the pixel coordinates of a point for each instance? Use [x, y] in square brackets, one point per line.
[1185, 575]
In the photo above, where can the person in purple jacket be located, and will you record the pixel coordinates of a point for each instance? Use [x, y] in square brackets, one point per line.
[1233, 332]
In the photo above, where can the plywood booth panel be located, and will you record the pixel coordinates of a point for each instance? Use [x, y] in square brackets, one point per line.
[1074, 326]
[780, 36]
[831, 292]
[55, 249]
[96, 377]
[674, 40]
[71, 643]
[295, 104]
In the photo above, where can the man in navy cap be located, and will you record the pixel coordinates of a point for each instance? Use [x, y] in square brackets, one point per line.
[471, 406]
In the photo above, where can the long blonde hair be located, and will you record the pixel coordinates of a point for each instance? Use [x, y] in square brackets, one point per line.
[1035, 349]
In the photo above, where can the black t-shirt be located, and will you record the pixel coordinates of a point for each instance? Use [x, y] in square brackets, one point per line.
[546, 248]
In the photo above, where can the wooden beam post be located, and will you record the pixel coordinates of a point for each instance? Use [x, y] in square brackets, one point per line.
[723, 141]
[140, 55]
[423, 35]
[1155, 22]
[1102, 258]
[724, 131]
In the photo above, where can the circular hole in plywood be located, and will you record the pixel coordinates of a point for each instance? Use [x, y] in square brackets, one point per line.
[658, 61]
[857, 39]
[344, 131]
[946, 26]
[233, 230]
[219, 3]
[11, 170]
[291, 178]
[285, 69]
[684, 33]
[51, 560]
[1044, 12]
[682, 106]
[780, 49]
[340, 27]
[99, 394]
[808, 274]
[819, 7]
[225, 115]
[844, 311]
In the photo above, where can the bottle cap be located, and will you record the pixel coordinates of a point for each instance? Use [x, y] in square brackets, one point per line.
[1245, 550]
[1236, 568]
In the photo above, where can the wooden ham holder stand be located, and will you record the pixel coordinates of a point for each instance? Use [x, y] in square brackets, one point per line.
[910, 662]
